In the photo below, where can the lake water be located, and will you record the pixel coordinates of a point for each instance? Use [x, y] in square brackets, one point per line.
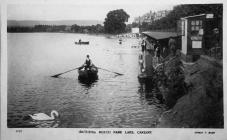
[111, 101]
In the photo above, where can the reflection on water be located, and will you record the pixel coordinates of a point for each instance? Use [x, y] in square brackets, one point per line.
[146, 87]
[45, 124]
[88, 83]
[109, 101]
[150, 92]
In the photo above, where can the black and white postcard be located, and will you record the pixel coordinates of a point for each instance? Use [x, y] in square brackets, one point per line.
[112, 69]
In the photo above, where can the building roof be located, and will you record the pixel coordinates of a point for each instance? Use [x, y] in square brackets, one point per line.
[160, 35]
[193, 16]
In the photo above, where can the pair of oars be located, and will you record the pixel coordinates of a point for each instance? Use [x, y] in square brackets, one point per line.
[57, 75]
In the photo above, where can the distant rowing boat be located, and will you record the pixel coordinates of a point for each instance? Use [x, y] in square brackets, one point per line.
[82, 43]
[120, 41]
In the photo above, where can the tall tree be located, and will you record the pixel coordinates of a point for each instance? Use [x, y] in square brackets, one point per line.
[115, 21]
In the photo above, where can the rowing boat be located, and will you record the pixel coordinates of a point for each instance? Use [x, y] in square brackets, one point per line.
[88, 74]
[82, 43]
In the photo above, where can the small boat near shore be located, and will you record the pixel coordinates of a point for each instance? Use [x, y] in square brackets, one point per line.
[82, 43]
[120, 41]
[88, 74]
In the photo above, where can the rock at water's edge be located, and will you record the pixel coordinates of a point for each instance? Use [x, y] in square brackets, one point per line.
[202, 105]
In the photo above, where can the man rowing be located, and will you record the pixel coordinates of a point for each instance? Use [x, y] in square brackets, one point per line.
[87, 64]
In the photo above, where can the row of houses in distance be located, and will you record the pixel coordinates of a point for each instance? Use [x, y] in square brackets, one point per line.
[151, 16]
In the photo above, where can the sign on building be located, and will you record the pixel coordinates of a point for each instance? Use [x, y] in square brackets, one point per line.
[135, 30]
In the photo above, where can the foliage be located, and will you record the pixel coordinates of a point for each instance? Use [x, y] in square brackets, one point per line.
[115, 21]
[179, 11]
[134, 24]
[49, 28]
[60, 28]
[19, 29]
[87, 29]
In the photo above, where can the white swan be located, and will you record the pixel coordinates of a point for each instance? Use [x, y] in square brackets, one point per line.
[42, 116]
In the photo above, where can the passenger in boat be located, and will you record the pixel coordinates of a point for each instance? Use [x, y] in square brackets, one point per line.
[79, 40]
[88, 63]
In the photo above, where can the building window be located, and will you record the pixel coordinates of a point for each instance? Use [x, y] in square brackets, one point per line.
[196, 25]
[183, 27]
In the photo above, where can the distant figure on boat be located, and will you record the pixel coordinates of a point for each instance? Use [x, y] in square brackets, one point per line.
[88, 63]
[79, 40]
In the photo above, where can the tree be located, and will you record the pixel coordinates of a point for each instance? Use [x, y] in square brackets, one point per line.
[115, 21]
[134, 24]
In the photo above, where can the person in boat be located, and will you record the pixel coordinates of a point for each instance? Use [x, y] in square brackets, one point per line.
[79, 40]
[88, 64]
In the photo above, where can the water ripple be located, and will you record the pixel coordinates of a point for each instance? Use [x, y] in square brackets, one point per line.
[111, 101]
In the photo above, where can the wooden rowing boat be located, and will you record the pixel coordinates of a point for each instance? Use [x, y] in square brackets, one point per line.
[88, 74]
[82, 43]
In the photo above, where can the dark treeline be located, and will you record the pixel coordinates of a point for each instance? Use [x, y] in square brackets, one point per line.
[87, 29]
[20, 29]
[170, 22]
[58, 28]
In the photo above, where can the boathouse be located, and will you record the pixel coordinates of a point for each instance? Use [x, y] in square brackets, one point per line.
[163, 38]
[146, 57]
[197, 35]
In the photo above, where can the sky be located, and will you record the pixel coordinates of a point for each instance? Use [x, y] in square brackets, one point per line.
[92, 11]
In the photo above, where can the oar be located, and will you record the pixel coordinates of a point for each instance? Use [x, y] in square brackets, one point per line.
[110, 71]
[55, 76]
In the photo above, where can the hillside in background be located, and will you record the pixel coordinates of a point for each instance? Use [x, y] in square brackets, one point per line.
[31, 23]
[171, 22]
